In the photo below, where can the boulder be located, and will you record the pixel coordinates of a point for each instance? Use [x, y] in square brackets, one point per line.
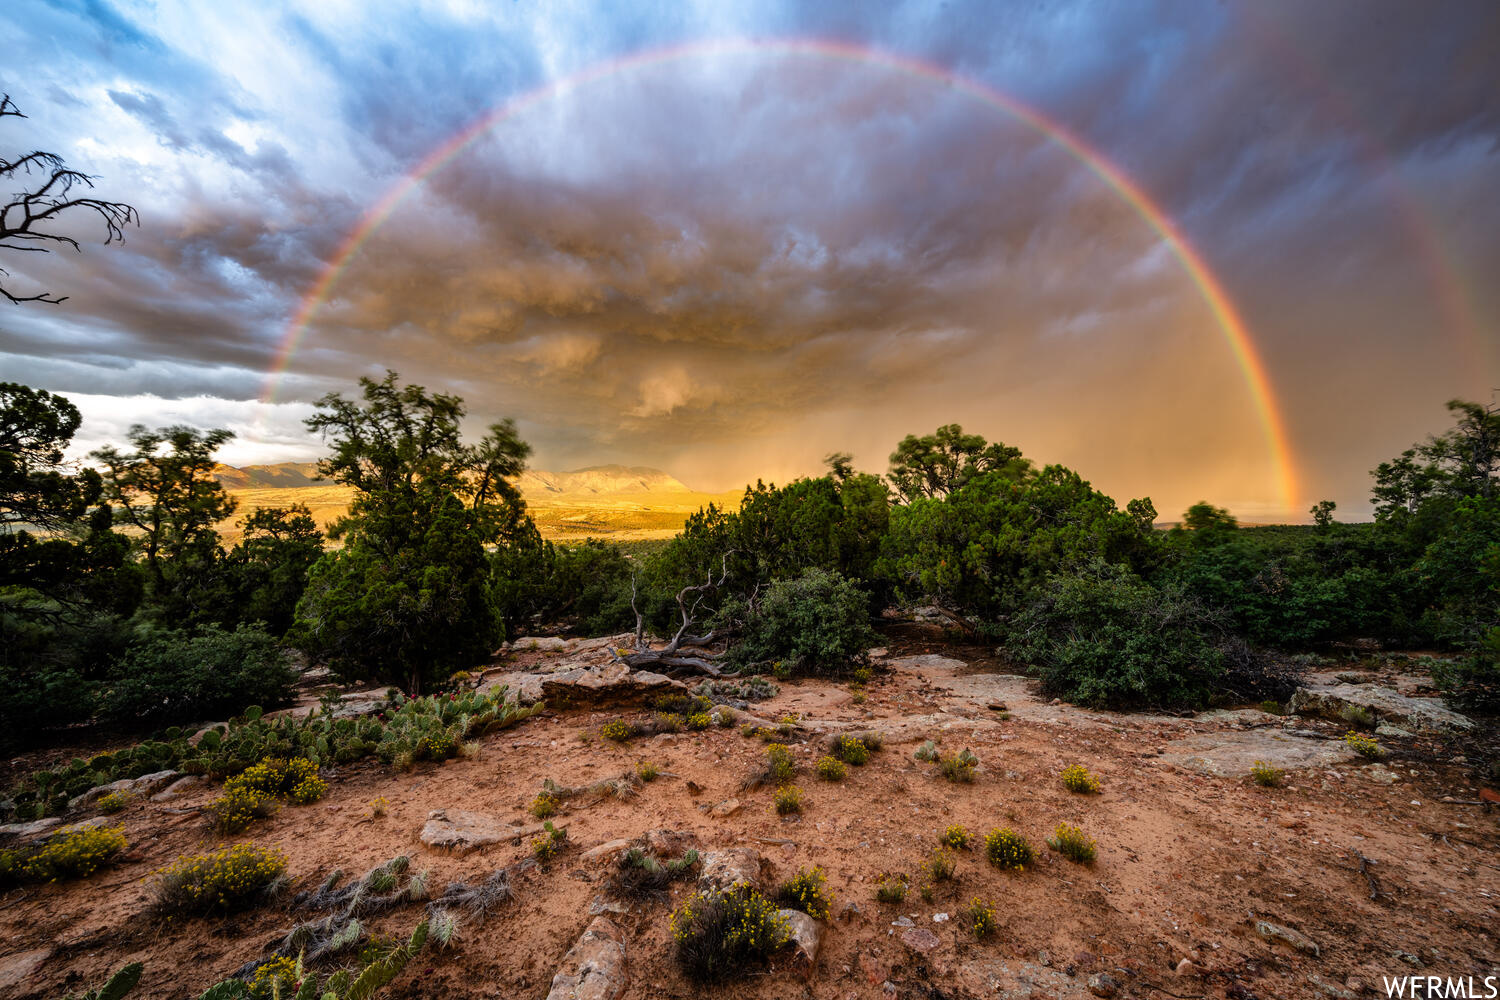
[594, 968]
[27, 832]
[179, 787]
[607, 684]
[524, 687]
[145, 785]
[603, 852]
[1425, 715]
[1232, 753]
[726, 808]
[731, 868]
[538, 644]
[805, 935]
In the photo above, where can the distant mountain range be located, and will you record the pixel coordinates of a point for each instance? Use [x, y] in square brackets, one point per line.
[596, 480]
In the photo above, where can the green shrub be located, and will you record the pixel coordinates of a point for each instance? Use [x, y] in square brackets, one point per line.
[927, 752]
[831, 769]
[114, 802]
[619, 730]
[1076, 778]
[177, 677]
[550, 843]
[240, 806]
[544, 805]
[638, 875]
[699, 721]
[1005, 848]
[851, 751]
[1108, 639]
[74, 855]
[219, 882]
[781, 767]
[647, 771]
[718, 935]
[788, 799]
[1265, 775]
[891, 888]
[1073, 844]
[1365, 746]
[817, 622]
[807, 891]
[941, 866]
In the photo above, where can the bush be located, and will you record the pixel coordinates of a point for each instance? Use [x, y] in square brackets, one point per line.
[638, 875]
[807, 891]
[781, 767]
[1108, 639]
[544, 805]
[832, 769]
[818, 621]
[1007, 849]
[1073, 844]
[941, 866]
[114, 802]
[788, 800]
[958, 767]
[176, 677]
[891, 888]
[619, 730]
[1365, 746]
[851, 751]
[258, 791]
[221, 882]
[550, 843]
[238, 807]
[927, 752]
[980, 919]
[647, 771]
[956, 837]
[1265, 775]
[720, 934]
[74, 855]
[1076, 778]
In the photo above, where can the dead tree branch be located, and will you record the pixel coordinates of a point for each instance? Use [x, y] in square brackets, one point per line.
[669, 657]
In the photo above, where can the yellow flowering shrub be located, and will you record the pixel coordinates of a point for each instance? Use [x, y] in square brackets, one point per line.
[851, 750]
[1005, 848]
[278, 978]
[544, 805]
[891, 888]
[719, 934]
[74, 855]
[781, 767]
[1365, 746]
[788, 800]
[979, 919]
[831, 769]
[220, 881]
[1076, 778]
[807, 891]
[1073, 844]
[114, 802]
[618, 730]
[1265, 775]
[699, 721]
[957, 837]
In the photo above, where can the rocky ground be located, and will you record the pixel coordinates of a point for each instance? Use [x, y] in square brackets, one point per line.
[1205, 885]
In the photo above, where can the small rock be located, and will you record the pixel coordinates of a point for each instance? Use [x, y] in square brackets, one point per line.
[920, 940]
[1102, 984]
[603, 852]
[1338, 993]
[1296, 939]
[939, 918]
[851, 911]
[29, 831]
[1408, 958]
[1044, 959]
[729, 868]
[600, 905]
[1185, 967]
[902, 922]
[461, 831]
[726, 808]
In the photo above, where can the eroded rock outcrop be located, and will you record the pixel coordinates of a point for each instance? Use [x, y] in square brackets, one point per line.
[1338, 701]
[594, 968]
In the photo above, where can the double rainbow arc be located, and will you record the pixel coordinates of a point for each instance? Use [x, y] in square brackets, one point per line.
[1230, 323]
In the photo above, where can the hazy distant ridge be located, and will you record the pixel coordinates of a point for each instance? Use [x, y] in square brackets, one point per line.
[596, 480]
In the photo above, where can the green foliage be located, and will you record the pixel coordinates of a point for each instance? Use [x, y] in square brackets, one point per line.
[941, 866]
[1265, 775]
[935, 465]
[1076, 778]
[807, 891]
[379, 966]
[1204, 516]
[958, 767]
[258, 791]
[781, 767]
[638, 875]
[1073, 844]
[174, 676]
[116, 987]
[718, 935]
[818, 621]
[1106, 638]
[927, 752]
[891, 888]
[266, 571]
[222, 881]
[1007, 849]
[550, 844]
[851, 750]
[986, 548]
[647, 771]
[544, 805]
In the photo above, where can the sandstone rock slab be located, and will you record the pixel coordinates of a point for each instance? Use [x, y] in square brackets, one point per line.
[608, 684]
[926, 663]
[145, 785]
[1232, 753]
[1427, 715]
[594, 968]
[731, 868]
[461, 831]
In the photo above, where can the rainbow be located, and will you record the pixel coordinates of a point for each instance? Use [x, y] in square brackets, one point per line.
[1233, 327]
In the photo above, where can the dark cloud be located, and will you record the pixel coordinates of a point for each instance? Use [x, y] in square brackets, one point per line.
[732, 265]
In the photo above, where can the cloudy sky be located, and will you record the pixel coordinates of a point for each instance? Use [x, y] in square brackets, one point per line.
[727, 239]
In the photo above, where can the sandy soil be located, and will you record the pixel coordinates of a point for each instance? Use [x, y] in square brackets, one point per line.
[1187, 860]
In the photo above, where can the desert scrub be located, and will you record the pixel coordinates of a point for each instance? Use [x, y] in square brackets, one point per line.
[647, 771]
[74, 855]
[257, 791]
[807, 891]
[1005, 848]
[664, 722]
[638, 875]
[719, 934]
[788, 799]
[1265, 775]
[544, 805]
[720, 691]
[957, 837]
[1073, 844]
[979, 918]
[699, 721]
[941, 866]
[619, 731]
[219, 882]
[780, 765]
[832, 769]
[114, 802]
[1076, 778]
[237, 808]
[116, 986]
[927, 752]
[550, 844]
[278, 977]
[891, 888]
[1365, 746]
[856, 748]
[379, 806]
[958, 767]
